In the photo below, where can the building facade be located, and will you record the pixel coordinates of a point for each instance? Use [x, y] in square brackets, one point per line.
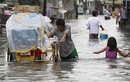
[53, 7]
[94, 5]
[90, 5]
[111, 1]
[112, 4]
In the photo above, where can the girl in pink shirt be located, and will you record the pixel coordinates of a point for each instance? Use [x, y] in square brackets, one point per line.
[111, 49]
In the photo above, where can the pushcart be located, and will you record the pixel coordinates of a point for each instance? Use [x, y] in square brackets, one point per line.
[26, 35]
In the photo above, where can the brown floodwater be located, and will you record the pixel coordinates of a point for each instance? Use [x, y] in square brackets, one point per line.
[88, 68]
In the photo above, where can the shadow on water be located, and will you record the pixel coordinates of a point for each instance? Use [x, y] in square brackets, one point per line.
[92, 42]
[3, 43]
[112, 63]
[33, 72]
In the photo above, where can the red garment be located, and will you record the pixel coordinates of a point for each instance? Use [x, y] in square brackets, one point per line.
[38, 53]
[32, 52]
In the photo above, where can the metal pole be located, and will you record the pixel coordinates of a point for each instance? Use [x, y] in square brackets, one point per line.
[44, 7]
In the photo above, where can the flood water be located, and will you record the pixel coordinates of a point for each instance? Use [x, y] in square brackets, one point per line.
[89, 68]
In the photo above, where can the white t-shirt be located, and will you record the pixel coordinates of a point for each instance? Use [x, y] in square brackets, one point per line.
[93, 24]
[106, 12]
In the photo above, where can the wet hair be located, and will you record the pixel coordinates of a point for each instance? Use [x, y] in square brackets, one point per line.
[94, 13]
[60, 22]
[112, 44]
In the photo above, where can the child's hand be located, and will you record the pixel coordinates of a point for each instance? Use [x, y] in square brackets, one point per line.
[129, 53]
[62, 40]
[95, 52]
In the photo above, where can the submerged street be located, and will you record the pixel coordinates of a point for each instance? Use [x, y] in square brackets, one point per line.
[89, 68]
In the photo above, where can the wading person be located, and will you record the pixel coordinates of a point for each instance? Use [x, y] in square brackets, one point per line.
[106, 14]
[93, 24]
[118, 19]
[123, 17]
[67, 47]
[111, 49]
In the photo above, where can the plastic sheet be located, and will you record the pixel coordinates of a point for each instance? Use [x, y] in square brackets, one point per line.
[25, 31]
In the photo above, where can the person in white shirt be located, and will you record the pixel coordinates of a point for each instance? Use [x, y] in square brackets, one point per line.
[106, 14]
[93, 24]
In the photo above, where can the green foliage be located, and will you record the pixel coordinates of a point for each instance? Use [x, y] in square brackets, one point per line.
[3, 1]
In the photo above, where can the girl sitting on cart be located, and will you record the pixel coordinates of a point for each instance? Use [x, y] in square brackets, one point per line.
[67, 48]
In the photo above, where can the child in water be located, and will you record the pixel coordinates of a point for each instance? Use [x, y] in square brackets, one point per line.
[67, 47]
[111, 49]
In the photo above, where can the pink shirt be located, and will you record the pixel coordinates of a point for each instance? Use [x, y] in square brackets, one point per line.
[111, 54]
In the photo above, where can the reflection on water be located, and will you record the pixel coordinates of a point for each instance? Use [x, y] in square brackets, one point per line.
[89, 68]
[93, 42]
[62, 71]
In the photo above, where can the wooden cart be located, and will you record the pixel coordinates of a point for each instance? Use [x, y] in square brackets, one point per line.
[50, 54]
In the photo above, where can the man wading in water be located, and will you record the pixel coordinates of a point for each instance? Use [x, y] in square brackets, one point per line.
[93, 24]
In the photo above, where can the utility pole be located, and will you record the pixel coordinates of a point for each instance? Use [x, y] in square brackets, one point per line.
[76, 9]
[44, 7]
[113, 5]
[87, 4]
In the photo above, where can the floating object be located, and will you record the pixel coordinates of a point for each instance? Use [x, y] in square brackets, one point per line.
[103, 36]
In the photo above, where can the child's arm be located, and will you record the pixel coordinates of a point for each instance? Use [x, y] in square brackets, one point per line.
[122, 54]
[52, 33]
[66, 33]
[63, 37]
[97, 52]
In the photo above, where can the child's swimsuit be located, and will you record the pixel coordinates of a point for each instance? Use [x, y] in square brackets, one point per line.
[111, 54]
